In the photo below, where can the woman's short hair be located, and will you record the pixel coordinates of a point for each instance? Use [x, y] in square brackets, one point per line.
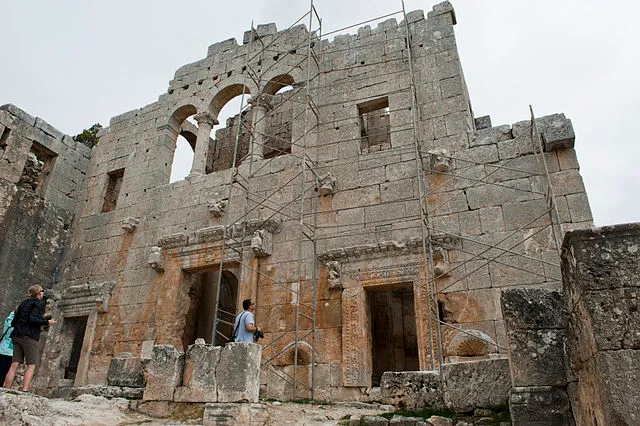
[34, 290]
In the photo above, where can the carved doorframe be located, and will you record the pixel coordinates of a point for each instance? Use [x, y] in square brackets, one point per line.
[173, 302]
[357, 358]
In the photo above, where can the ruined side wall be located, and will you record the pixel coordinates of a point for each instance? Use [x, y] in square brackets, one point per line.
[601, 275]
[41, 173]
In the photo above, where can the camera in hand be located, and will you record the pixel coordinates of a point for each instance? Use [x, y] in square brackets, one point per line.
[258, 335]
[46, 327]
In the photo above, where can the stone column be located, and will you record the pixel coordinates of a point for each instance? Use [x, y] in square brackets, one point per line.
[206, 122]
[261, 105]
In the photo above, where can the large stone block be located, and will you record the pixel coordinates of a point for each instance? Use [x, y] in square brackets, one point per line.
[539, 406]
[557, 132]
[476, 384]
[164, 373]
[199, 377]
[413, 390]
[127, 371]
[238, 373]
[537, 357]
[534, 308]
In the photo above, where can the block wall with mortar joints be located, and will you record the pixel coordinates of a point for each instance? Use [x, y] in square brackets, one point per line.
[376, 196]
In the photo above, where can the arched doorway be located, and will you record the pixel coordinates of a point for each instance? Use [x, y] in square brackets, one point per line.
[211, 313]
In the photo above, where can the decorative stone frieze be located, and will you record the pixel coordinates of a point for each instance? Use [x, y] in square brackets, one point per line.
[440, 160]
[412, 245]
[155, 259]
[333, 275]
[174, 240]
[262, 243]
[130, 224]
[326, 184]
[85, 299]
[217, 205]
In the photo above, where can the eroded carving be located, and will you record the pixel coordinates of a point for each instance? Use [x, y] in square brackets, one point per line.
[217, 205]
[440, 160]
[326, 184]
[471, 343]
[262, 243]
[289, 354]
[87, 298]
[155, 259]
[440, 262]
[130, 224]
[333, 275]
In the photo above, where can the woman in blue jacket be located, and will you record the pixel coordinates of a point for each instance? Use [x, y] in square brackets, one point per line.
[6, 347]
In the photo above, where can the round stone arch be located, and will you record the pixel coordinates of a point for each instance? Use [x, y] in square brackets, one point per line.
[168, 128]
[277, 82]
[218, 97]
[179, 112]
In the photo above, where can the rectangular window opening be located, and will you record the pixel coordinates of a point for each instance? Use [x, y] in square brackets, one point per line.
[4, 138]
[113, 190]
[37, 169]
[374, 125]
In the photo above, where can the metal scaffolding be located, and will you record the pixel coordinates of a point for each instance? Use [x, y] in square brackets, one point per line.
[302, 207]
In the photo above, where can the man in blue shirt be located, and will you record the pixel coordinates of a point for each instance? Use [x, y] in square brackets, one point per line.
[244, 326]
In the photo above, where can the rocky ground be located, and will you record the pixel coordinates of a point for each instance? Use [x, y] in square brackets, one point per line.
[18, 408]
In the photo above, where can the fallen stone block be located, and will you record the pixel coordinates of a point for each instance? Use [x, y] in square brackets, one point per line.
[476, 384]
[199, 378]
[127, 371]
[238, 373]
[412, 389]
[164, 373]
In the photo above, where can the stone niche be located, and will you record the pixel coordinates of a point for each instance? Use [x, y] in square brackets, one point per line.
[81, 306]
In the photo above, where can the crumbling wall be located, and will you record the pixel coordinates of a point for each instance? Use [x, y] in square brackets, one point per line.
[601, 275]
[41, 174]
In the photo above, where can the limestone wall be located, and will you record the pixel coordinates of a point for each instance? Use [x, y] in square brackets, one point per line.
[152, 245]
[41, 174]
[601, 270]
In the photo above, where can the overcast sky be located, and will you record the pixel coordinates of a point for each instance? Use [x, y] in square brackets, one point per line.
[77, 62]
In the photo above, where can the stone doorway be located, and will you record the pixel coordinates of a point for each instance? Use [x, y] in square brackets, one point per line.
[208, 318]
[394, 343]
[75, 328]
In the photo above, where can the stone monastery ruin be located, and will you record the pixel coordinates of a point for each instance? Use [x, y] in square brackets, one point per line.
[372, 217]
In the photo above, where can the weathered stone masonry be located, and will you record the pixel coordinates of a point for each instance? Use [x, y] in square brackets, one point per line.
[143, 254]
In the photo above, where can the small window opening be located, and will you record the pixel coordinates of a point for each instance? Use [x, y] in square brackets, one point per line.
[37, 169]
[113, 190]
[74, 329]
[374, 125]
[4, 138]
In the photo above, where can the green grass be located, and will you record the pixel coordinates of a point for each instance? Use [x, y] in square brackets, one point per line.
[498, 416]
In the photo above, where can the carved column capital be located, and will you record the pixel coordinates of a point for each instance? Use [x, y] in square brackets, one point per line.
[205, 118]
[262, 101]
